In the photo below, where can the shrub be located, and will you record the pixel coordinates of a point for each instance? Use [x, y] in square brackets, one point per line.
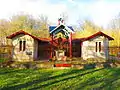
[3, 60]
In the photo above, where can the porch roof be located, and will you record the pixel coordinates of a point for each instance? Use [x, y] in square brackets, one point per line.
[25, 33]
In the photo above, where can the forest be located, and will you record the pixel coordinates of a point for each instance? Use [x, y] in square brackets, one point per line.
[40, 27]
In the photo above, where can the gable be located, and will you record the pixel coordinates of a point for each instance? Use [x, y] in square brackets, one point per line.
[97, 35]
[52, 29]
[23, 37]
[97, 38]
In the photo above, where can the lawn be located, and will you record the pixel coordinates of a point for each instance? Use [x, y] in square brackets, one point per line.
[58, 79]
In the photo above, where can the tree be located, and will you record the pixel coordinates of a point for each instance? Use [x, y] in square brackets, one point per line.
[114, 30]
[37, 27]
[4, 31]
[86, 29]
[22, 22]
[115, 23]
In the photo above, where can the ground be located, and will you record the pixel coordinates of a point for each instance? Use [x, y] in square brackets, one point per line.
[60, 79]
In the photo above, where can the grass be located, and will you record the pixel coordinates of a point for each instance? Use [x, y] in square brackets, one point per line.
[57, 79]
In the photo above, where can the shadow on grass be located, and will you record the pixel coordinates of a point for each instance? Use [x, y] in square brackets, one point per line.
[7, 70]
[50, 80]
[29, 83]
[47, 77]
[12, 71]
[108, 82]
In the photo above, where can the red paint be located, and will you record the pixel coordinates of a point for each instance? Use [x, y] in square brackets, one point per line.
[70, 40]
[51, 52]
[58, 22]
[62, 65]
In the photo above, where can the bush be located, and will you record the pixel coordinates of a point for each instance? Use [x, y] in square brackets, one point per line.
[2, 60]
[89, 66]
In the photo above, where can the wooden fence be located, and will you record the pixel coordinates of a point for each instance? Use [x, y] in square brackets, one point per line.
[5, 53]
[115, 51]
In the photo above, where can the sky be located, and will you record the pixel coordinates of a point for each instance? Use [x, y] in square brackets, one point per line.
[101, 12]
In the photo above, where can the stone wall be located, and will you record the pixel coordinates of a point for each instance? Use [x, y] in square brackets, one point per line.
[23, 55]
[89, 48]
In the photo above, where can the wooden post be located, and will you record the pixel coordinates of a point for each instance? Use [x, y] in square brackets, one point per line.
[52, 44]
[51, 50]
[70, 40]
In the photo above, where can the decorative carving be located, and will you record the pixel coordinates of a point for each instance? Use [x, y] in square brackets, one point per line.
[60, 43]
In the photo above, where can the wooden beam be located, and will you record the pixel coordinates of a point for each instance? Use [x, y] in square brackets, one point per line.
[70, 40]
[51, 50]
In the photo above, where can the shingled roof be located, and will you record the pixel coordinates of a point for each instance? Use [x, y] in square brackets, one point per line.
[48, 39]
[25, 33]
[99, 34]
[53, 27]
[92, 36]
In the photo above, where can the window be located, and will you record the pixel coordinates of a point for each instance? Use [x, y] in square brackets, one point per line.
[98, 47]
[22, 45]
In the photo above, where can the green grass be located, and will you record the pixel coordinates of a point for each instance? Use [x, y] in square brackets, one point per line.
[57, 79]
